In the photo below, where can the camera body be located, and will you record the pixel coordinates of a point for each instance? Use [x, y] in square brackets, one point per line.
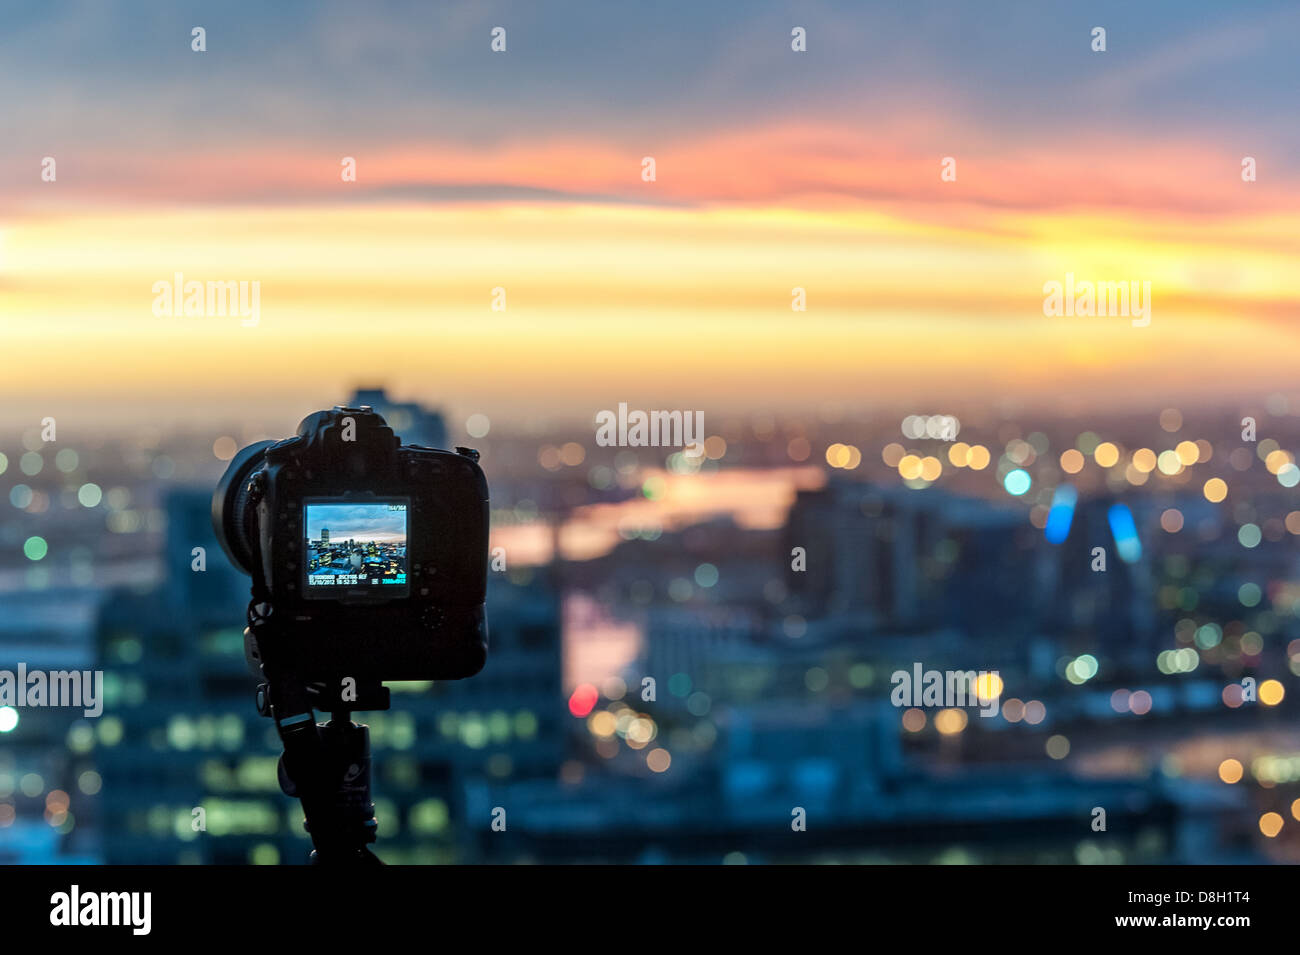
[369, 556]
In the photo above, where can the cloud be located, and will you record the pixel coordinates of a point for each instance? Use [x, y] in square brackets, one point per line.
[808, 164]
[1195, 52]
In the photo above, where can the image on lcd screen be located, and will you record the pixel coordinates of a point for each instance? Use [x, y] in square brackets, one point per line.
[355, 546]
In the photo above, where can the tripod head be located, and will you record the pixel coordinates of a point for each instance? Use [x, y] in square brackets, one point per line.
[325, 765]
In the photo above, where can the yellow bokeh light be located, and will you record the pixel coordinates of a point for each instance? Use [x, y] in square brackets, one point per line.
[931, 468]
[1072, 461]
[1215, 490]
[979, 458]
[910, 467]
[1144, 459]
[1188, 453]
[1106, 454]
[959, 454]
[1270, 824]
[1271, 692]
[950, 722]
[988, 686]
[1230, 771]
[1276, 460]
[640, 732]
[602, 723]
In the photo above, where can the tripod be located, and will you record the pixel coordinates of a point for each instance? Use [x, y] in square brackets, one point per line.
[325, 765]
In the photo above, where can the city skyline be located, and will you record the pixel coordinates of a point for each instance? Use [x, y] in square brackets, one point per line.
[983, 319]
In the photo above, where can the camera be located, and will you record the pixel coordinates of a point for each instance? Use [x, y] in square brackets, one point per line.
[368, 557]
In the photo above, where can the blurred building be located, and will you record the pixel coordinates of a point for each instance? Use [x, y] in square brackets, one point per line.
[788, 783]
[411, 422]
[892, 558]
[184, 735]
[47, 811]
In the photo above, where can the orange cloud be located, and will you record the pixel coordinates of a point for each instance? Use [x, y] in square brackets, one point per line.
[806, 164]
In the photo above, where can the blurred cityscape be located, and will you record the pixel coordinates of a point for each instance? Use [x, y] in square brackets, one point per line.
[686, 652]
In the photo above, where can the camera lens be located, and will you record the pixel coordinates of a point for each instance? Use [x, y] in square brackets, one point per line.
[232, 515]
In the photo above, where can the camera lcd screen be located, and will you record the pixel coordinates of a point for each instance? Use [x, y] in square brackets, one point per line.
[356, 549]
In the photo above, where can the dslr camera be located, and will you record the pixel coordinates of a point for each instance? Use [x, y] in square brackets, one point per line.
[368, 557]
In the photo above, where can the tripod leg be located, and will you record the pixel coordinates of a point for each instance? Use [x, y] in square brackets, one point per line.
[337, 804]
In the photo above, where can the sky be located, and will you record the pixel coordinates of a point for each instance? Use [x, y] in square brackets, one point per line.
[522, 171]
[364, 522]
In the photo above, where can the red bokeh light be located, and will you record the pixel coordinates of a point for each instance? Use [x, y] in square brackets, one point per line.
[583, 700]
